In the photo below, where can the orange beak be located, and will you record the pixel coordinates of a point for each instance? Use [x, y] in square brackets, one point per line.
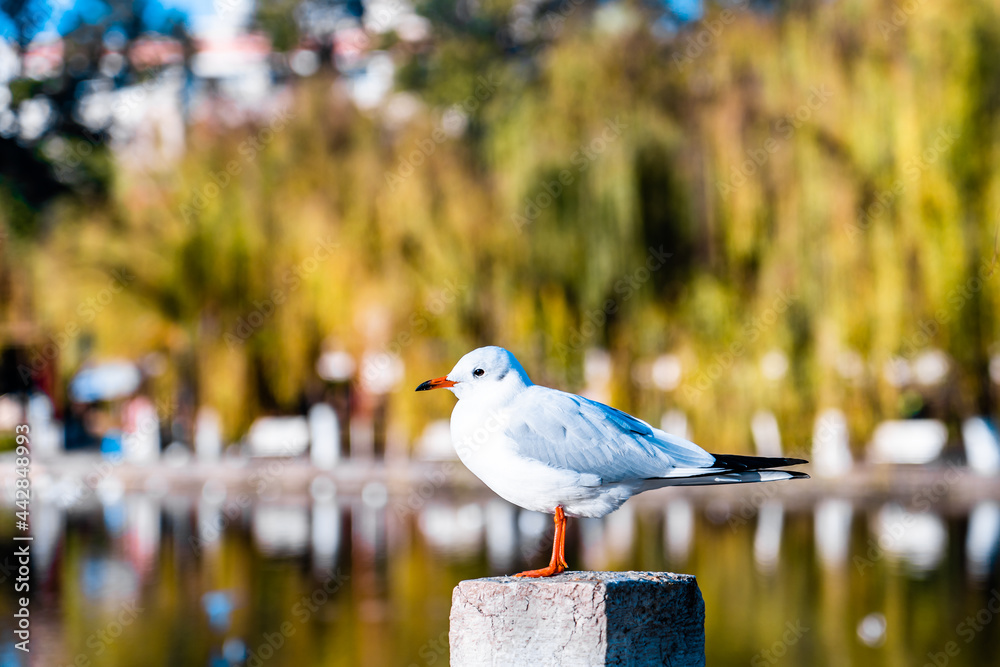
[436, 383]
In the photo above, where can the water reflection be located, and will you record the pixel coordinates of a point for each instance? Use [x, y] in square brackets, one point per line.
[372, 583]
[767, 537]
[917, 539]
[501, 535]
[832, 530]
[983, 540]
[454, 530]
[679, 530]
[281, 529]
[325, 538]
[47, 527]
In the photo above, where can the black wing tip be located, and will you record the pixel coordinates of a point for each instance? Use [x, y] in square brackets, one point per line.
[739, 462]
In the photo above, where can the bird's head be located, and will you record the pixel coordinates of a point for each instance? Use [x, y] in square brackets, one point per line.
[487, 371]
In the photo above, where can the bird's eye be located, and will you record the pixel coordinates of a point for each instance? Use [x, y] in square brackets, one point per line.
[479, 372]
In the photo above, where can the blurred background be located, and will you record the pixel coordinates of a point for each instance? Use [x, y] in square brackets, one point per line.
[234, 236]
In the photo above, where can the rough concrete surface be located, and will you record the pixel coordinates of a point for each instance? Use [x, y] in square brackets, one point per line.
[579, 618]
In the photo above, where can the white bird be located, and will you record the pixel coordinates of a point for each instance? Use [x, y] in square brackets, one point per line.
[551, 451]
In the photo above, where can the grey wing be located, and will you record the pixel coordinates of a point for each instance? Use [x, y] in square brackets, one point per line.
[574, 433]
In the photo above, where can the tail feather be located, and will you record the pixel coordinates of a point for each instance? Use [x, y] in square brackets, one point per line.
[731, 469]
[722, 478]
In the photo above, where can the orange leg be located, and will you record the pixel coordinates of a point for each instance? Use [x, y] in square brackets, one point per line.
[557, 563]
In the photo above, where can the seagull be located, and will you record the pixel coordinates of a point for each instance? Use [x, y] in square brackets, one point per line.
[554, 452]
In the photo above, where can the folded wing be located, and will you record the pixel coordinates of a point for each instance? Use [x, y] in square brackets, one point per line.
[566, 431]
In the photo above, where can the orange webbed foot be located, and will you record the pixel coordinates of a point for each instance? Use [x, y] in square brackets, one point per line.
[551, 570]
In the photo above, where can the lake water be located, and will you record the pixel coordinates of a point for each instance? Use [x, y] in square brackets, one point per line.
[322, 579]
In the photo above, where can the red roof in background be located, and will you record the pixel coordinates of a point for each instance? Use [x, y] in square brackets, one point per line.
[155, 51]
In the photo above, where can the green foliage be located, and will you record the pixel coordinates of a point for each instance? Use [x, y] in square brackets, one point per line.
[277, 19]
[826, 183]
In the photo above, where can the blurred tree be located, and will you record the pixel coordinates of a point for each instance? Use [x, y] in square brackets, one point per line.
[65, 155]
[823, 222]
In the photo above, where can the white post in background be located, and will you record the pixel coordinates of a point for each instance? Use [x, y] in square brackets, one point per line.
[141, 437]
[207, 435]
[766, 434]
[46, 432]
[831, 451]
[324, 436]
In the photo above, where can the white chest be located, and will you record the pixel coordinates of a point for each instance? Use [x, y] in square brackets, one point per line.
[484, 448]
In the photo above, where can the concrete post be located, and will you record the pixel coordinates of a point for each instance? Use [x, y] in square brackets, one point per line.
[579, 618]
